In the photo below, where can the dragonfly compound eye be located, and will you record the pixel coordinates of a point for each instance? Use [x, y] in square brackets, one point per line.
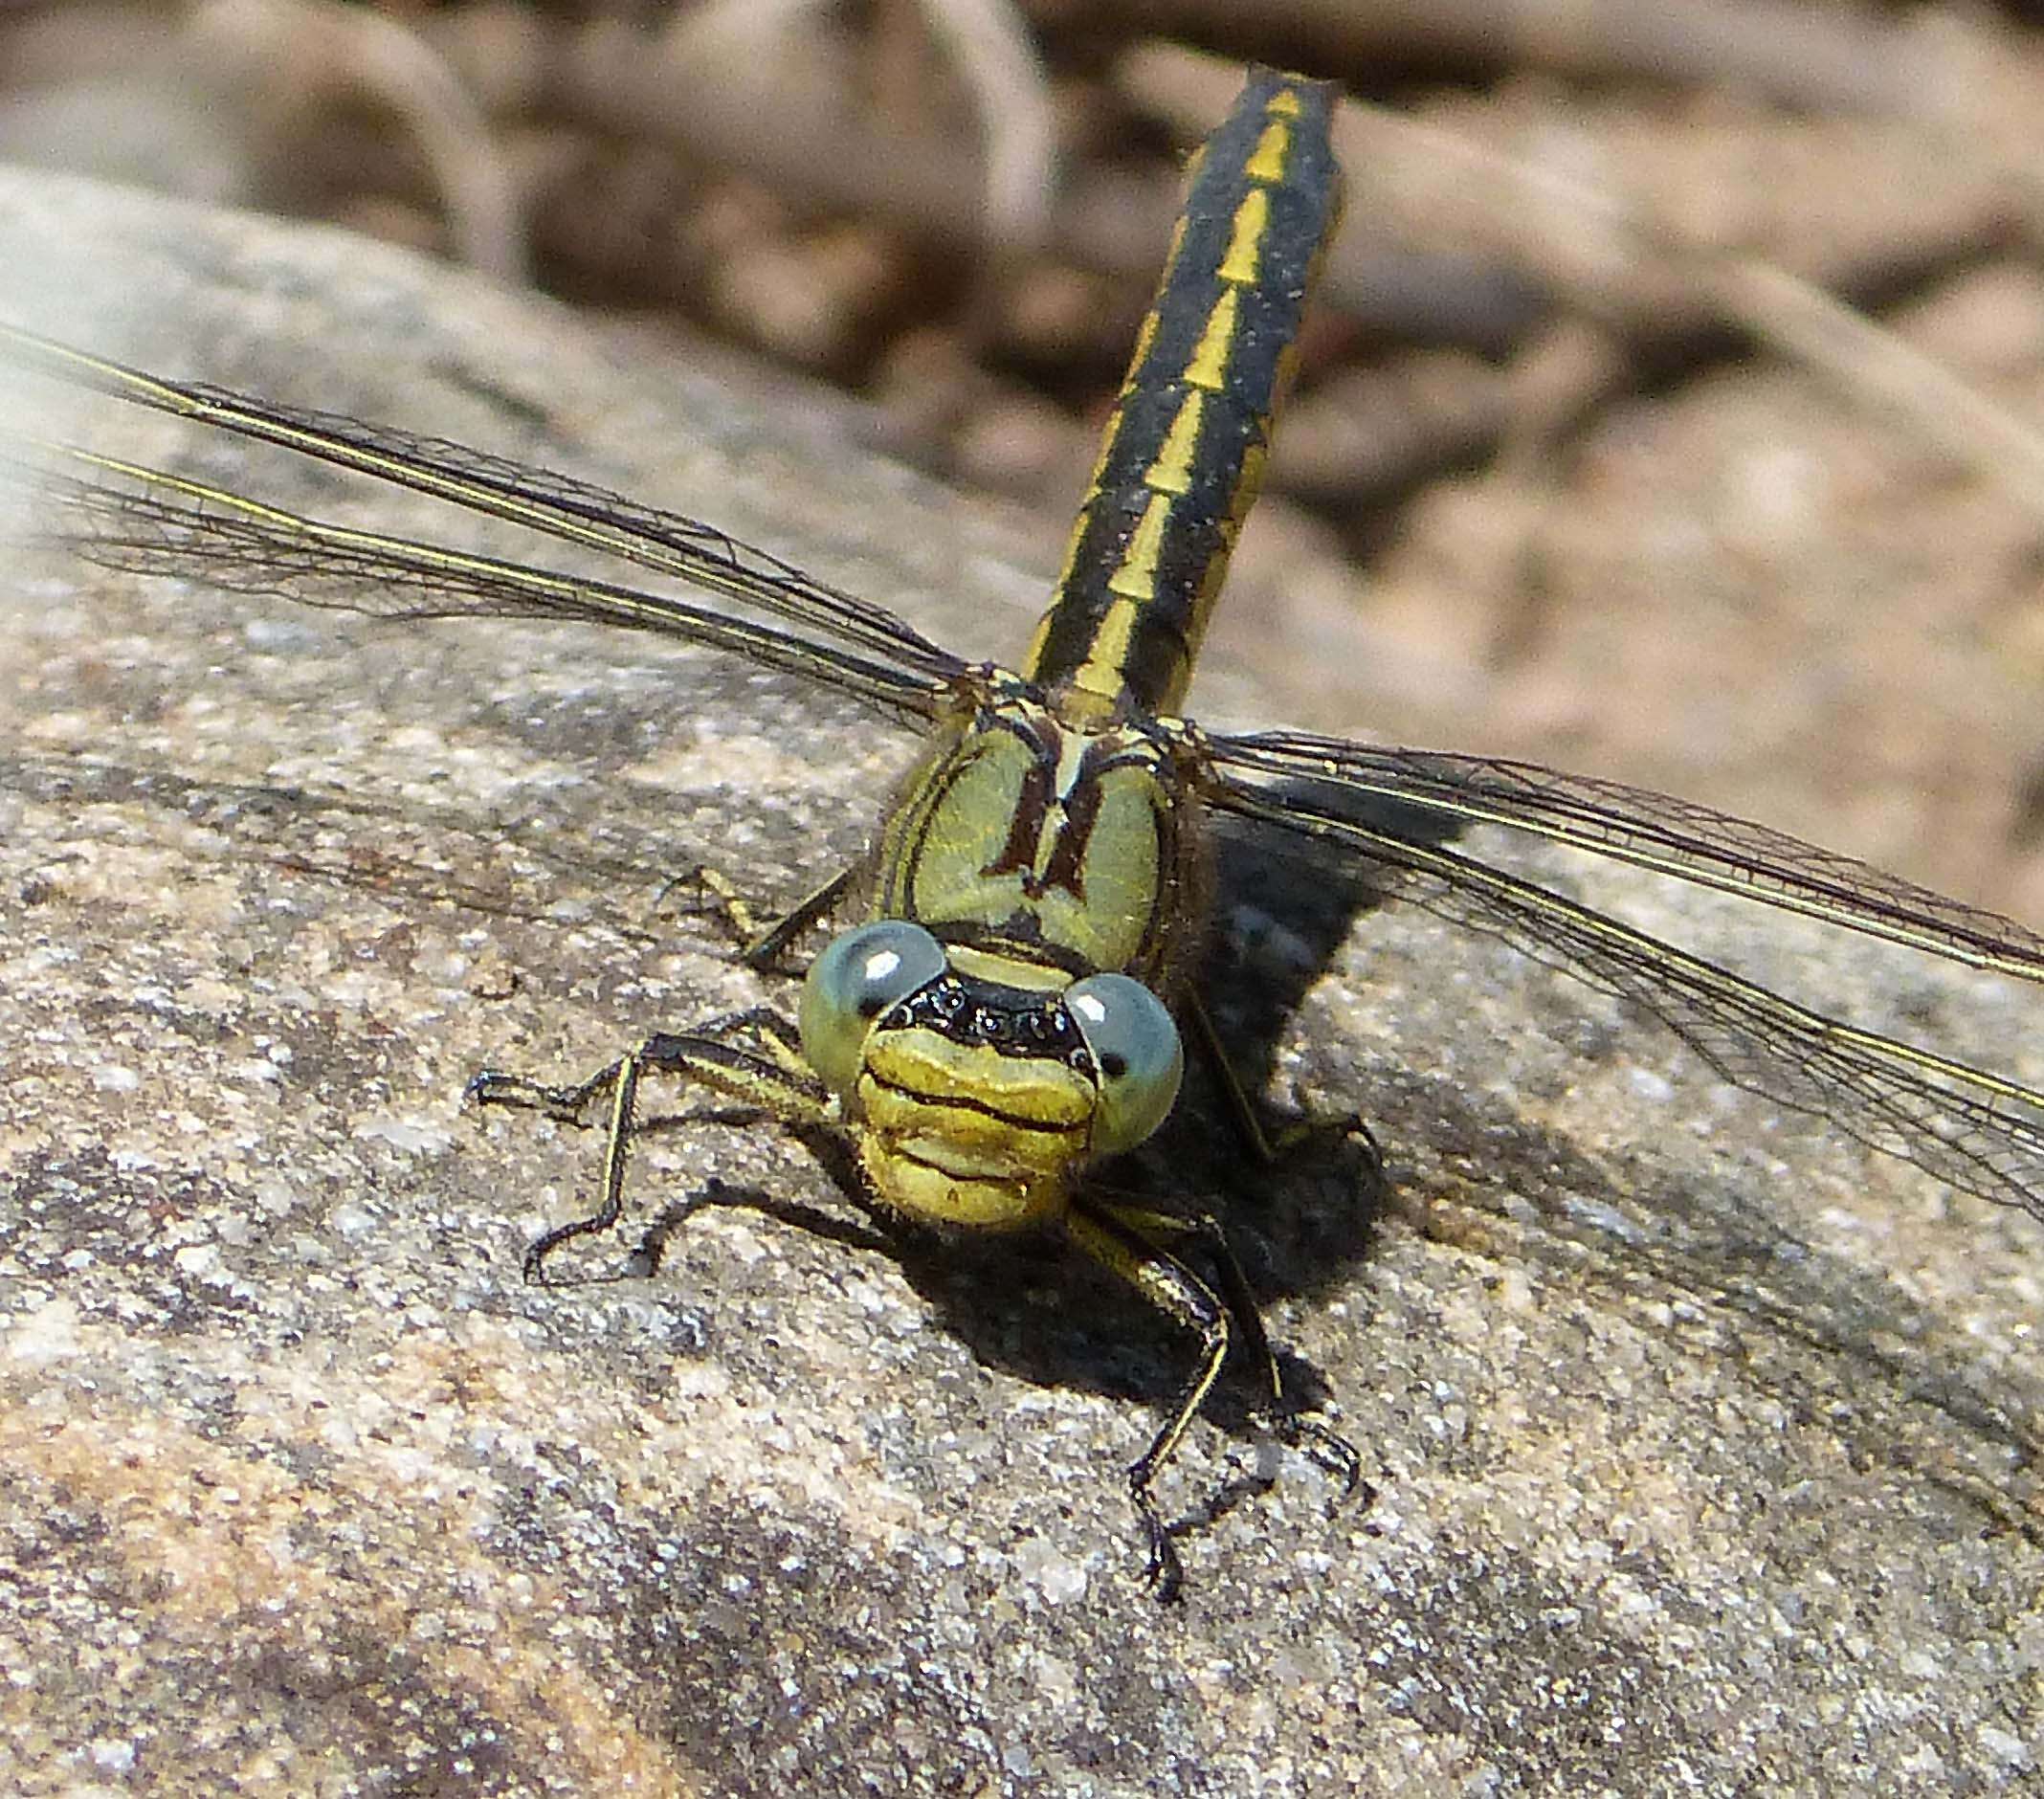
[1136, 1055]
[863, 972]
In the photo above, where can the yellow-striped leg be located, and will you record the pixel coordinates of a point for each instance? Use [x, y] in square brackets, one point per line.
[760, 945]
[1249, 1120]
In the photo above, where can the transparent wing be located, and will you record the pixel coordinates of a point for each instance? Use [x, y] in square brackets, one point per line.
[1975, 1129]
[1966, 1126]
[130, 516]
[1652, 831]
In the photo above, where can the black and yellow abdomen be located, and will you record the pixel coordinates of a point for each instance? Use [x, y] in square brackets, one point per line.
[1184, 451]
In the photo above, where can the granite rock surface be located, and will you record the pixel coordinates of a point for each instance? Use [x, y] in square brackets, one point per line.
[1702, 1445]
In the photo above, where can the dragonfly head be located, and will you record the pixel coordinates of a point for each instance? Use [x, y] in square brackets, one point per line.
[974, 1100]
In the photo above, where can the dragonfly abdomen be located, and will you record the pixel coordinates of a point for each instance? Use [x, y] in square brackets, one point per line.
[1184, 453]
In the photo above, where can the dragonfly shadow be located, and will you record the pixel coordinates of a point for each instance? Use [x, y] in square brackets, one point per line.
[1027, 1304]
[1282, 907]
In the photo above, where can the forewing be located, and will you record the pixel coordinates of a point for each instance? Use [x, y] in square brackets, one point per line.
[1975, 1129]
[1648, 829]
[134, 517]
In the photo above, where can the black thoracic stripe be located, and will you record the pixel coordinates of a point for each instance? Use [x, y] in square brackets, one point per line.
[1184, 450]
[1066, 864]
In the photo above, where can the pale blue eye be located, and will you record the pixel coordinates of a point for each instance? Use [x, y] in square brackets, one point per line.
[1136, 1053]
[861, 973]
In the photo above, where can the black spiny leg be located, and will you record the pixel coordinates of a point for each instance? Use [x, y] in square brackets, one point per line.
[1293, 1426]
[1249, 1123]
[778, 1084]
[775, 1082]
[760, 948]
[1128, 1241]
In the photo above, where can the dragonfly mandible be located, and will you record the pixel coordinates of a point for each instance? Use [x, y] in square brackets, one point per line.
[1005, 1014]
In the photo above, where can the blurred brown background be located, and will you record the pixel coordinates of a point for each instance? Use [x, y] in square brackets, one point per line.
[1667, 412]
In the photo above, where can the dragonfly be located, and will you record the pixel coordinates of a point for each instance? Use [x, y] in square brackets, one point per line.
[1007, 1012]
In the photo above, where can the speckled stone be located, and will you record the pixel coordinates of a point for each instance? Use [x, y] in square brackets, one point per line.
[1701, 1442]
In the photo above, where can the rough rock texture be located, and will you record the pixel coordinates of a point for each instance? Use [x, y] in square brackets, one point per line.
[1701, 1444]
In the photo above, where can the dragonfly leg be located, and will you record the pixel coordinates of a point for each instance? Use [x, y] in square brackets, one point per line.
[775, 1082]
[1261, 1142]
[761, 946]
[765, 947]
[1130, 1242]
[1293, 1425]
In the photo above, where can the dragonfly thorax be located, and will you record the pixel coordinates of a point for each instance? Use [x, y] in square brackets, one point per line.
[1069, 847]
